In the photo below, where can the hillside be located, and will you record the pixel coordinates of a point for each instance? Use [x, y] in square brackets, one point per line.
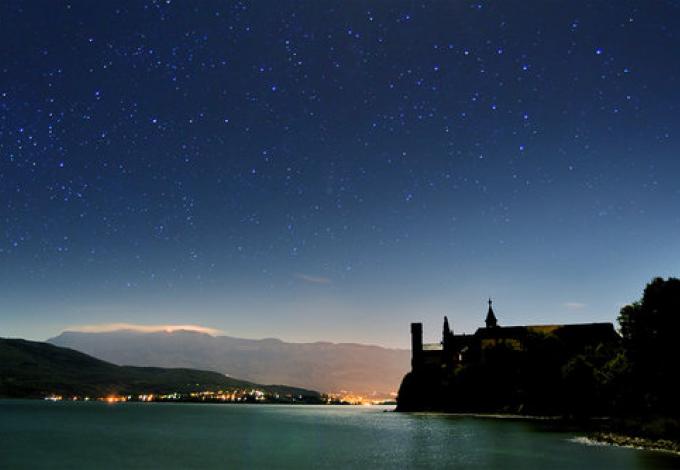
[329, 367]
[34, 369]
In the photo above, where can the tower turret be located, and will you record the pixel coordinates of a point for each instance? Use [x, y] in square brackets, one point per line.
[447, 335]
[416, 345]
[446, 329]
[449, 352]
[491, 321]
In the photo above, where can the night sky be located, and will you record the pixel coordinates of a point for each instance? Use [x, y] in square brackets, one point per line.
[335, 170]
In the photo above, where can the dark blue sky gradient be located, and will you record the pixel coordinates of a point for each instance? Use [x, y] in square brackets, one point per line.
[334, 170]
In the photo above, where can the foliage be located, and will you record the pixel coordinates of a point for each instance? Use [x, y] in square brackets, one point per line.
[650, 328]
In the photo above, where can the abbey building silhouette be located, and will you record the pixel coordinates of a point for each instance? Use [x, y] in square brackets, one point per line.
[455, 350]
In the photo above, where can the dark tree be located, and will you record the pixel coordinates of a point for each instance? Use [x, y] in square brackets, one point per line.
[650, 331]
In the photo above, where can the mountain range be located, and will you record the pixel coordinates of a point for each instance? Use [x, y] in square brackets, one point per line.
[30, 369]
[370, 371]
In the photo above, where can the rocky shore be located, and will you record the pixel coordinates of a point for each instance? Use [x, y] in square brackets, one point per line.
[622, 440]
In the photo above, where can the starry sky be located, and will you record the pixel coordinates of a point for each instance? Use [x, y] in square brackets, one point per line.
[325, 170]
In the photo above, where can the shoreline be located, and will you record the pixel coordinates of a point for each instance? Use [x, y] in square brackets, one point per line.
[586, 437]
[630, 442]
[199, 402]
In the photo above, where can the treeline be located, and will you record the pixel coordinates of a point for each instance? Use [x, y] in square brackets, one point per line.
[634, 380]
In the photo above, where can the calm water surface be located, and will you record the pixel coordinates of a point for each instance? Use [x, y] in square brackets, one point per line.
[36, 434]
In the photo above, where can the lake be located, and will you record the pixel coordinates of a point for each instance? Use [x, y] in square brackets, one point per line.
[181, 435]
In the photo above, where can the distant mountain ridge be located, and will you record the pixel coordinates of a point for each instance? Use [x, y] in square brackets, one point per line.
[35, 369]
[327, 367]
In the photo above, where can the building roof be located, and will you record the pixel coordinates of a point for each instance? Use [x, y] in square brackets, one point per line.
[571, 332]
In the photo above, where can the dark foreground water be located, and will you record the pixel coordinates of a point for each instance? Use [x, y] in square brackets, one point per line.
[36, 434]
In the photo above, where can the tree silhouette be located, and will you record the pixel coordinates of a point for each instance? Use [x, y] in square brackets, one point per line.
[650, 330]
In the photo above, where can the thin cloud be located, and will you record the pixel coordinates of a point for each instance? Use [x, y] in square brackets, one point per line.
[313, 279]
[574, 305]
[109, 327]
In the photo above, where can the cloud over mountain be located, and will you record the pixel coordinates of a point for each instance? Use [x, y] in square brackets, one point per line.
[109, 327]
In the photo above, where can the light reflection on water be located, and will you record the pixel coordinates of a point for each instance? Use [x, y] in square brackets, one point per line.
[67, 435]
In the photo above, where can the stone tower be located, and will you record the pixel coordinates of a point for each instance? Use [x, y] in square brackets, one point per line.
[449, 353]
[447, 336]
[416, 345]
